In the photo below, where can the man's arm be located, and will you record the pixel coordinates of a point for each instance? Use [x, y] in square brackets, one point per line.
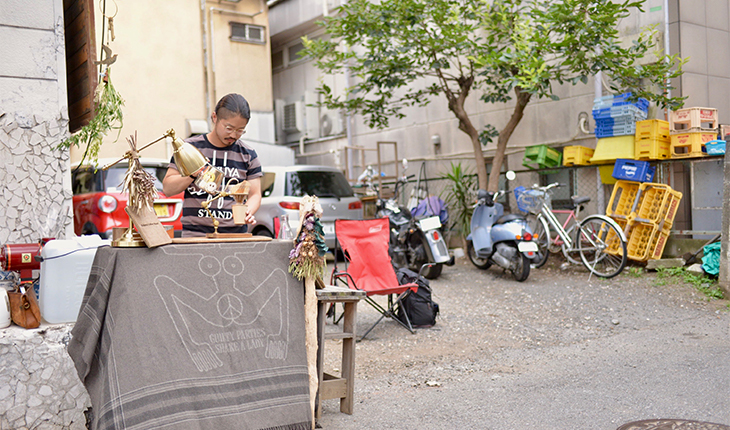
[254, 199]
[174, 183]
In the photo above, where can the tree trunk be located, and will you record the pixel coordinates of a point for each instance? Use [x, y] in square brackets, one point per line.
[456, 105]
[522, 99]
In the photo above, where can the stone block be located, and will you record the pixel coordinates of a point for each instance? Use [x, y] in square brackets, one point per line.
[696, 269]
[664, 263]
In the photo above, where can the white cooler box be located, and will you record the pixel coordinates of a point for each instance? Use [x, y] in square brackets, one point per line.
[65, 271]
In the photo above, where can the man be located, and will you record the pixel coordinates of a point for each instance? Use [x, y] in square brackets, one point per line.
[230, 155]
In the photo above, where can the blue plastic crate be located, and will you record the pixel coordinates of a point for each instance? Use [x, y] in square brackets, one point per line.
[615, 122]
[620, 100]
[615, 130]
[629, 111]
[633, 170]
[715, 147]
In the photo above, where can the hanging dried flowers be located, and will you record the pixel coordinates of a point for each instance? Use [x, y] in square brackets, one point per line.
[307, 257]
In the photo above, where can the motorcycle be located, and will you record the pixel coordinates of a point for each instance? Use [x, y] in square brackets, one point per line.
[496, 238]
[415, 241]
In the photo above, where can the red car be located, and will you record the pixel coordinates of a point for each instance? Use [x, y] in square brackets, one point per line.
[99, 203]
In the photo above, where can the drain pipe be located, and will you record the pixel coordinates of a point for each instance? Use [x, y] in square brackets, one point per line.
[204, 37]
[666, 51]
[348, 116]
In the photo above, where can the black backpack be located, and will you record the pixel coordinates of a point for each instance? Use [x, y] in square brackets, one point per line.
[419, 306]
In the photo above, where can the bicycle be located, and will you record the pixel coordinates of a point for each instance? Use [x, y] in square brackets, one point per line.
[597, 240]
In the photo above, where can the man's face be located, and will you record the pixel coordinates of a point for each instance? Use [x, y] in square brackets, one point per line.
[230, 129]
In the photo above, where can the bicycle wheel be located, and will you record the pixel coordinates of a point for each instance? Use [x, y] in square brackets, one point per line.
[541, 231]
[600, 246]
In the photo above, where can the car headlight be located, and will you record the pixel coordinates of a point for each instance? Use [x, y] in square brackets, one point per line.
[107, 204]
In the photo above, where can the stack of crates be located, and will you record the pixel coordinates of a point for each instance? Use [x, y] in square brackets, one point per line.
[541, 157]
[651, 141]
[690, 129]
[646, 212]
[617, 116]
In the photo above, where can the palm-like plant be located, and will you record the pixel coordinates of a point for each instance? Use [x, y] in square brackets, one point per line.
[460, 198]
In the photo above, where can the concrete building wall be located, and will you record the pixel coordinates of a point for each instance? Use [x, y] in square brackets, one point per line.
[545, 121]
[35, 189]
[175, 60]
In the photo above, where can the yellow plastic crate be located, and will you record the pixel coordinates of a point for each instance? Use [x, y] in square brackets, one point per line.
[541, 156]
[608, 149]
[657, 205]
[690, 144]
[652, 149]
[622, 200]
[612, 239]
[652, 129]
[576, 155]
[640, 244]
[659, 241]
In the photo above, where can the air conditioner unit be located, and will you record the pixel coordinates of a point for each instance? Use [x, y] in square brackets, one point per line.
[330, 123]
[293, 117]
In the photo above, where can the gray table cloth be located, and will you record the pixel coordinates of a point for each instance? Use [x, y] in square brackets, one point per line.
[193, 337]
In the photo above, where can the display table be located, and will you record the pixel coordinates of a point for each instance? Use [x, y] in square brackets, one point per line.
[194, 336]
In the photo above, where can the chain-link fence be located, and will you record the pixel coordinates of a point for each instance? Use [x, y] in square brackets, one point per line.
[582, 181]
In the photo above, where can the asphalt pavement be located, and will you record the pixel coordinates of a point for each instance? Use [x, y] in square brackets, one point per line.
[559, 351]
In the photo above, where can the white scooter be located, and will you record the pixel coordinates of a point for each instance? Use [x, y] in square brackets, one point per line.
[496, 238]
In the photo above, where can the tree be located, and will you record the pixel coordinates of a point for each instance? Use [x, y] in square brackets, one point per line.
[403, 52]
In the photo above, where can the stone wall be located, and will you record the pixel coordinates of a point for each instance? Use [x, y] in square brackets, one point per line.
[39, 388]
[34, 202]
[35, 184]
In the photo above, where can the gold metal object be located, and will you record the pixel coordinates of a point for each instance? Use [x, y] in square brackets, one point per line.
[188, 158]
[127, 237]
[239, 191]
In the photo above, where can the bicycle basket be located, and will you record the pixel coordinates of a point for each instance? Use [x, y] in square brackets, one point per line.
[531, 201]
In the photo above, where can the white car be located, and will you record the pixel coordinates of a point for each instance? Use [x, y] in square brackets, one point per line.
[284, 187]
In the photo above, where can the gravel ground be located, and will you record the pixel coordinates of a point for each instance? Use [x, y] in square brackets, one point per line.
[558, 351]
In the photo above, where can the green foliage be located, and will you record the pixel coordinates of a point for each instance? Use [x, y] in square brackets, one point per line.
[487, 135]
[634, 272]
[706, 286]
[452, 47]
[108, 116]
[460, 197]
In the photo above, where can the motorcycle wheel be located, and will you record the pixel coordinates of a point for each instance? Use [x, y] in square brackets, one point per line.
[522, 269]
[481, 263]
[433, 272]
[417, 256]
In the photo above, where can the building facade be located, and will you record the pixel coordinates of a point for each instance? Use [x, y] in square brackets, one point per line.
[691, 28]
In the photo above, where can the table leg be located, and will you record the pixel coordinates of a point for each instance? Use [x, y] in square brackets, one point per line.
[348, 357]
[321, 320]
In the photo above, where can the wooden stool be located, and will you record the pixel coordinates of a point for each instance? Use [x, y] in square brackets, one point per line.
[332, 387]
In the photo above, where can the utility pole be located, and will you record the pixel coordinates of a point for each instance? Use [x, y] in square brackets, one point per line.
[724, 277]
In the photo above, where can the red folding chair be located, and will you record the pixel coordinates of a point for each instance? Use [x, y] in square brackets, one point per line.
[365, 245]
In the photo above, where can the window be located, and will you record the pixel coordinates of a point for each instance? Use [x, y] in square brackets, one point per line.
[313, 183]
[294, 52]
[247, 33]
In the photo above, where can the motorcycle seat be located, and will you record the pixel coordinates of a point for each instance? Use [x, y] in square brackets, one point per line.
[577, 201]
[509, 217]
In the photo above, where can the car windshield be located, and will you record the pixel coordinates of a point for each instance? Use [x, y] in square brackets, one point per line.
[320, 184]
[115, 177]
